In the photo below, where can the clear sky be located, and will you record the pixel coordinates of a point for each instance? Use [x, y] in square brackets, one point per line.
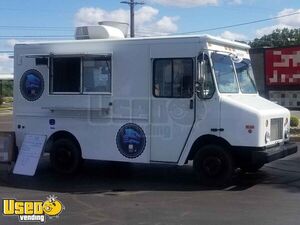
[22, 19]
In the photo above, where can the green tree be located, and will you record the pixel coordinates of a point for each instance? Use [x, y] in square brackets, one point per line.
[7, 88]
[278, 38]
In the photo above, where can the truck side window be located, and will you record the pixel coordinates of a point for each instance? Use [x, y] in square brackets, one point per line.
[173, 78]
[163, 78]
[96, 75]
[66, 75]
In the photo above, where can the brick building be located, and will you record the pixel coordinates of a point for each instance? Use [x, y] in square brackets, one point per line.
[277, 74]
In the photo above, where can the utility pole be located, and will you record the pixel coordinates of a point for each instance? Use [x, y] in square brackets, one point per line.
[132, 5]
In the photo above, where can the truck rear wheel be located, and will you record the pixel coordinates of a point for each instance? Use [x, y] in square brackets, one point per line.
[65, 156]
[214, 165]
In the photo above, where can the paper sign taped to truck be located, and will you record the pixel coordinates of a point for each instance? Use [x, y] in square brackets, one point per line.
[29, 155]
[283, 66]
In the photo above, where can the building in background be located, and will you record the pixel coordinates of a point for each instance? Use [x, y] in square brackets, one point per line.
[277, 74]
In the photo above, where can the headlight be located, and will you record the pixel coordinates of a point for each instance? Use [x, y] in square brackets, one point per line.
[267, 137]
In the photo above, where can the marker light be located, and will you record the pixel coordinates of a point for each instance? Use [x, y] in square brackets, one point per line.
[267, 137]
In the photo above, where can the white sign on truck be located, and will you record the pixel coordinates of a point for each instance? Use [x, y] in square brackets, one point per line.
[29, 155]
[148, 100]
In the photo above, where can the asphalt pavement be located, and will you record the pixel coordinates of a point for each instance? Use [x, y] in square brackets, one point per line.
[121, 193]
[6, 120]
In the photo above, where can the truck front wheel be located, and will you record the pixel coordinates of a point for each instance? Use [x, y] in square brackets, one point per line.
[214, 165]
[65, 156]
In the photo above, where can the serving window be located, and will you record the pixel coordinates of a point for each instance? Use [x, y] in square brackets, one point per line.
[66, 75]
[80, 75]
[96, 75]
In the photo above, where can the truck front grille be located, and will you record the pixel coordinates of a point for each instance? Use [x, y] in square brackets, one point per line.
[276, 129]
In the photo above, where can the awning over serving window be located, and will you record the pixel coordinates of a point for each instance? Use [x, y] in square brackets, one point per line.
[104, 56]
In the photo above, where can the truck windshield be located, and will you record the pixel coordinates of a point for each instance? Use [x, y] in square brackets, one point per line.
[224, 72]
[245, 77]
[230, 72]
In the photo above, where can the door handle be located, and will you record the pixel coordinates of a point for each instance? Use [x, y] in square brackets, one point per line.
[191, 104]
[216, 130]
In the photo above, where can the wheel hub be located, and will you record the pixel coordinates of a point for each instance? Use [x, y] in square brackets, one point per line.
[64, 156]
[212, 165]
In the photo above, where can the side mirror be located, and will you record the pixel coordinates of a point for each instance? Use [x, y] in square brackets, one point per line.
[198, 87]
[204, 87]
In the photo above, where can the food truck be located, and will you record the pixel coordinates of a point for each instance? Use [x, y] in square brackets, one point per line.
[166, 100]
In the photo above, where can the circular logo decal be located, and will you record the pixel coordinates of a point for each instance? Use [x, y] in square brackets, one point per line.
[131, 140]
[32, 85]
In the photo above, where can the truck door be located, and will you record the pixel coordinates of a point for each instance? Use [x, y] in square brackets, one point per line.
[172, 107]
[208, 102]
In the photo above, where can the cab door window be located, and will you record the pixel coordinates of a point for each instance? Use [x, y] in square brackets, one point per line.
[173, 78]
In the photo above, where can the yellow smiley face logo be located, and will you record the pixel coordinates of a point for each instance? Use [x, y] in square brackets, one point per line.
[52, 207]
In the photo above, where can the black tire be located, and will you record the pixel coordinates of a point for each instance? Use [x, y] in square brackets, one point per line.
[65, 156]
[214, 165]
[252, 168]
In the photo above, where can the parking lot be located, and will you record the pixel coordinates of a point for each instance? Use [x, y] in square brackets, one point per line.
[5, 121]
[122, 193]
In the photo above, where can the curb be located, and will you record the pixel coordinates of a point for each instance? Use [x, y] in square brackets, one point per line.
[6, 112]
[295, 139]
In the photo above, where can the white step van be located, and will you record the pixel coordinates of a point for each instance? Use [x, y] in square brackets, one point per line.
[148, 100]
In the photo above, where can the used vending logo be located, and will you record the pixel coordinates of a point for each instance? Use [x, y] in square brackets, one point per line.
[33, 211]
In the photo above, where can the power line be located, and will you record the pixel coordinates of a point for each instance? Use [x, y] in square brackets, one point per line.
[36, 37]
[1, 52]
[240, 24]
[145, 30]
[35, 28]
[40, 11]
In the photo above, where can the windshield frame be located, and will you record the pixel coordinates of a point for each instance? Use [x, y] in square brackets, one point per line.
[235, 73]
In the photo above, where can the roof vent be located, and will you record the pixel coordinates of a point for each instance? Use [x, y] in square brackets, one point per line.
[105, 30]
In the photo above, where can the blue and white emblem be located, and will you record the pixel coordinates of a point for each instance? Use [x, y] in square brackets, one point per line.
[32, 85]
[131, 140]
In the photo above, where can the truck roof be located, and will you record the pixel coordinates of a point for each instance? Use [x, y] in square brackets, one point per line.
[204, 38]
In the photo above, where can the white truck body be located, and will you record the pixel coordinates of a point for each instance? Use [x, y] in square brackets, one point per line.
[166, 129]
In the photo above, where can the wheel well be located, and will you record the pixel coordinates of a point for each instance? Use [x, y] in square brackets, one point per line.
[205, 140]
[59, 135]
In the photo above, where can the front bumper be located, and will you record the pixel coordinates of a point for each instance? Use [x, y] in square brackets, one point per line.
[271, 154]
[254, 155]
